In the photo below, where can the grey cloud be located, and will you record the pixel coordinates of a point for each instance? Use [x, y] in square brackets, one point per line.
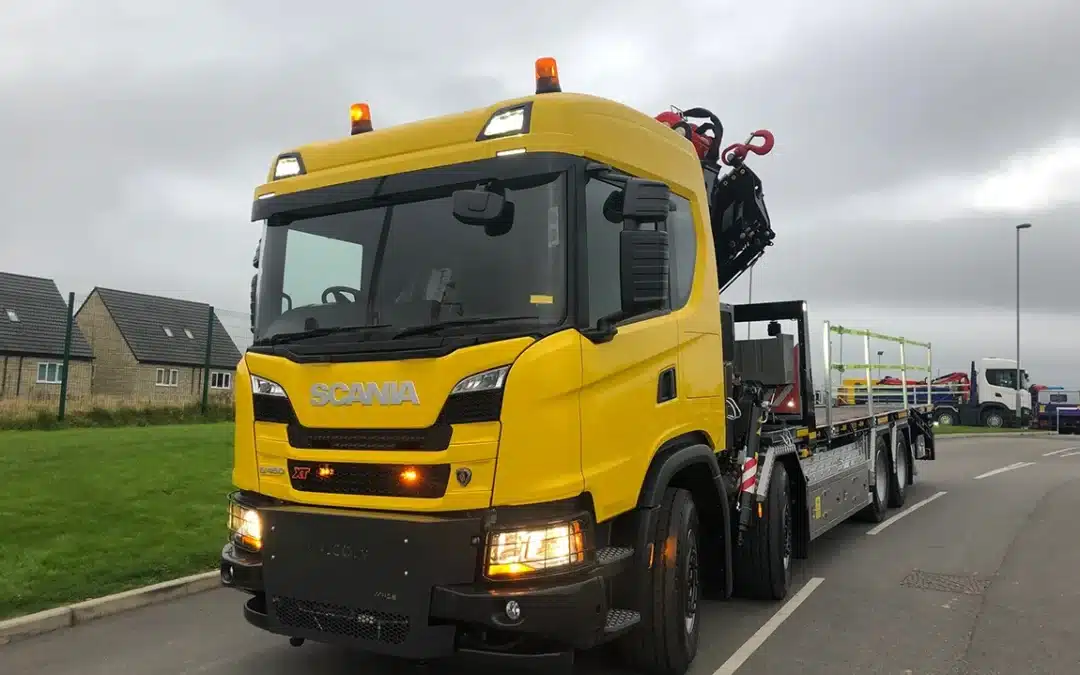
[140, 131]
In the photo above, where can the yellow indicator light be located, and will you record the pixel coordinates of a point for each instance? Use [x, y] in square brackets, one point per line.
[325, 472]
[409, 476]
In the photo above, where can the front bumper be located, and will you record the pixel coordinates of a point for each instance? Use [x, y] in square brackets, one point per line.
[406, 585]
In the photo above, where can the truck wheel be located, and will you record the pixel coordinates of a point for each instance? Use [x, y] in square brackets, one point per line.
[946, 418]
[877, 509]
[665, 641]
[993, 418]
[899, 477]
[763, 561]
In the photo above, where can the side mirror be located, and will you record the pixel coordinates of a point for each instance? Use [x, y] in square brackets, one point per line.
[644, 258]
[485, 208]
[645, 201]
[644, 265]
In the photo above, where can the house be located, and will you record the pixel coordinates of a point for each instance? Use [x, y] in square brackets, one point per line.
[33, 323]
[151, 349]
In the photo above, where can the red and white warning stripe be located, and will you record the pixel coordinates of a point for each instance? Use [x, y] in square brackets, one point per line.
[749, 475]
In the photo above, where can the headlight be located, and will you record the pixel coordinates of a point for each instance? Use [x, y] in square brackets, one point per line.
[485, 381]
[517, 552]
[261, 385]
[245, 526]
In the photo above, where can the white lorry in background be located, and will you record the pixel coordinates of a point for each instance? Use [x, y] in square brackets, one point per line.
[992, 399]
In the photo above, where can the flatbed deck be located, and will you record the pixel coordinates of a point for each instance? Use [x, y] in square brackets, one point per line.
[845, 414]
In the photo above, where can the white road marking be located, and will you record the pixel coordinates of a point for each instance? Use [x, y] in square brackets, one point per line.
[736, 660]
[906, 512]
[1011, 467]
[1058, 452]
[1071, 454]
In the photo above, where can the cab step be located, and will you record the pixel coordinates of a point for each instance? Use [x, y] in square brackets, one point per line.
[613, 555]
[620, 620]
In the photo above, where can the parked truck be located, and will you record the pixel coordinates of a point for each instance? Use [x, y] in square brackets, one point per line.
[985, 397]
[495, 408]
[992, 399]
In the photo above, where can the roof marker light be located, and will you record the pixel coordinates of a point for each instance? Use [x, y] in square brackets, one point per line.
[360, 114]
[287, 166]
[547, 76]
[507, 122]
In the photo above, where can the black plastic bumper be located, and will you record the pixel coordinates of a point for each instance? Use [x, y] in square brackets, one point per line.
[405, 586]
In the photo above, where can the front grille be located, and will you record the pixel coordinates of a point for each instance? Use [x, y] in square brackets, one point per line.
[363, 624]
[371, 480]
[431, 438]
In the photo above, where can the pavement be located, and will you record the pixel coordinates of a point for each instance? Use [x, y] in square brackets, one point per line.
[976, 581]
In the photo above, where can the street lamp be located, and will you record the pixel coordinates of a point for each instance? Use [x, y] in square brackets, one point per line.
[1019, 409]
[879, 363]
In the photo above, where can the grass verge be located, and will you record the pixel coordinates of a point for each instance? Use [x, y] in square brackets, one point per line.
[41, 418]
[942, 431]
[89, 512]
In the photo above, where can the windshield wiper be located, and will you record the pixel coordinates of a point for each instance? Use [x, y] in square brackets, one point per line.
[297, 336]
[429, 328]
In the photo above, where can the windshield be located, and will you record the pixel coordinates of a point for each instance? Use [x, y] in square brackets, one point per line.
[412, 263]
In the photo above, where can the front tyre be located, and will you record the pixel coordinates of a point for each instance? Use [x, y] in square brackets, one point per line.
[665, 642]
[763, 560]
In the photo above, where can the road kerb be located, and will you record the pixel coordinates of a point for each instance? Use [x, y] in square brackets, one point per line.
[34, 624]
[30, 625]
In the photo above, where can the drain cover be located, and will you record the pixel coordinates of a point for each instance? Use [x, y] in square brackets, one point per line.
[946, 583]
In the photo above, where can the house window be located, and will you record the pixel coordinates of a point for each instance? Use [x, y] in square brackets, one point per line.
[187, 332]
[168, 331]
[49, 372]
[11, 315]
[167, 377]
[220, 380]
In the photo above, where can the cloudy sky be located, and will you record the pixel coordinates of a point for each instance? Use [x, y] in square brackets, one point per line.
[911, 137]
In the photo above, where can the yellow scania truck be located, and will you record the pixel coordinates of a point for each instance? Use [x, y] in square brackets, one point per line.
[494, 406]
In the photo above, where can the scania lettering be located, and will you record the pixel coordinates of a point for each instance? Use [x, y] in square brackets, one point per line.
[595, 452]
[364, 393]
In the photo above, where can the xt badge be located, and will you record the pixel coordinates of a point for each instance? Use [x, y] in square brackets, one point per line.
[464, 476]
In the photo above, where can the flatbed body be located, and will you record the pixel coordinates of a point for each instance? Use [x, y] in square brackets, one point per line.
[848, 414]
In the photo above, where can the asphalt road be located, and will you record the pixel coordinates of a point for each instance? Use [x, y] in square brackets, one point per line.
[978, 581]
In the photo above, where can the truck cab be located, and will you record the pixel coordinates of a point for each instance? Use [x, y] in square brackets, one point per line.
[486, 347]
[992, 399]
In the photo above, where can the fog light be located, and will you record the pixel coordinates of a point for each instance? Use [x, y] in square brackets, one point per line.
[513, 610]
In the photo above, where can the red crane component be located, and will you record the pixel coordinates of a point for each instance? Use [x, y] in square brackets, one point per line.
[735, 154]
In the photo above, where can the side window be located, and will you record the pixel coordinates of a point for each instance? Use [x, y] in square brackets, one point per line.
[680, 227]
[1000, 377]
[602, 245]
[1058, 398]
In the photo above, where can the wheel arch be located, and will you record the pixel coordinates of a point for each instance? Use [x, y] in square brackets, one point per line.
[689, 462]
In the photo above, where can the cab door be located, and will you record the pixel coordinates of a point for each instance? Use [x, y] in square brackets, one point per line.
[630, 383]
